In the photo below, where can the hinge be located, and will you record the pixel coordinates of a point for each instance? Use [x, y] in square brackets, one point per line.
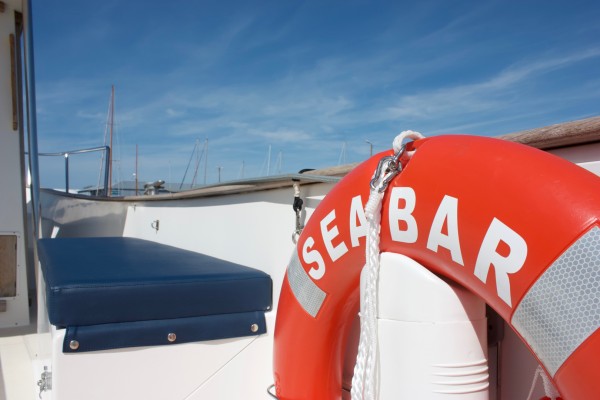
[13, 81]
[45, 382]
[495, 327]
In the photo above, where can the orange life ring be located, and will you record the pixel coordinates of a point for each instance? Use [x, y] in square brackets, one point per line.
[515, 225]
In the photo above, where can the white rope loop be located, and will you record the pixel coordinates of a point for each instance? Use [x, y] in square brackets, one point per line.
[397, 145]
[366, 370]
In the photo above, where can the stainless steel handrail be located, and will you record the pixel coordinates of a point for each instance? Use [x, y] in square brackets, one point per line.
[66, 155]
[31, 114]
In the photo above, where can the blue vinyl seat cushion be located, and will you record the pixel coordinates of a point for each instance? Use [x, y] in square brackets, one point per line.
[111, 280]
[163, 331]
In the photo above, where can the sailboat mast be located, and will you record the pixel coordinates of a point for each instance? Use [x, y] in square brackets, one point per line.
[136, 169]
[269, 162]
[111, 125]
[205, 158]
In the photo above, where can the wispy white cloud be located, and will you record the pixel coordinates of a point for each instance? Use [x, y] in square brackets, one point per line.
[492, 93]
[282, 135]
[523, 70]
[174, 113]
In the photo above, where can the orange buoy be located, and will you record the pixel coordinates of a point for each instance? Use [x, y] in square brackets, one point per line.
[514, 225]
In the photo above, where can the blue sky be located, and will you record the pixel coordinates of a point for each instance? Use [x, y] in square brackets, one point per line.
[306, 78]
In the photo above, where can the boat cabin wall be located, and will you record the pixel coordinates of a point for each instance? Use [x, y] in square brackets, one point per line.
[14, 297]
[586, 156]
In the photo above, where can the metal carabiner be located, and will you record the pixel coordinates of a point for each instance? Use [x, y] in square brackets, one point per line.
[299, 227]
[380, 169]
[389, 166]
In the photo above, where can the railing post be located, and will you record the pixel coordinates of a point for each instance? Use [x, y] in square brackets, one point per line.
[67, 172]
[106, 172]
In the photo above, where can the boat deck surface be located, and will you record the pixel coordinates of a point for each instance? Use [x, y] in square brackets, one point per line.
[18, 364]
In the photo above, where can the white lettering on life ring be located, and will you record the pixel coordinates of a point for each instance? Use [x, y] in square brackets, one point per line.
[446, 212]
[313, 256]
[404, 228]
[328, 235]
[404, 214]
[358, 221]
[503, 265]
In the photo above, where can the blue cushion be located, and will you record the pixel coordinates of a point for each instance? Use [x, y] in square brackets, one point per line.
[91, 281]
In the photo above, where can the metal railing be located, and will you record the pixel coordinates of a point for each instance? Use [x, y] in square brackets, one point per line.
[31, 115]
[66, 155]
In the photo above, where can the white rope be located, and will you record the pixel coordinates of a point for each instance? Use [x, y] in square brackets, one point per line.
[363, 382]
[549, 389]
[296, 189]
[406, 135]
[536, 375]
[366, 371]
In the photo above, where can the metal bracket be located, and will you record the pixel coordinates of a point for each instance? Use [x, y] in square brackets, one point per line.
[495, 327]
[269, 391]
[45, 382]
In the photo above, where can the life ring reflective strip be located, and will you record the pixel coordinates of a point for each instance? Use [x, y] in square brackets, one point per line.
[513, 224]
